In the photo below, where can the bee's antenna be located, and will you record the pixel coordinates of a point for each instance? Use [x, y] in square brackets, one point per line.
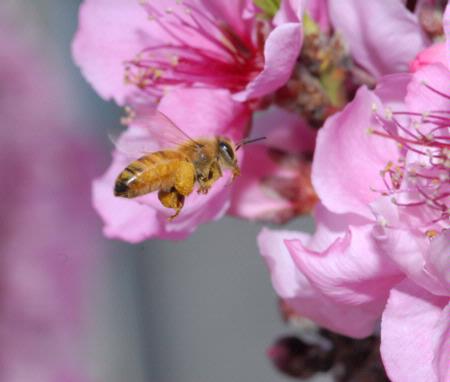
[246, 142]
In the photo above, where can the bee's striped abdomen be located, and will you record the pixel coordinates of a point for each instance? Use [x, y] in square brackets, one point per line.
[147, 174]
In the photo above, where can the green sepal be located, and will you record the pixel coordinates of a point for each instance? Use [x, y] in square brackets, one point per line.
[269, 7]
[309, 25]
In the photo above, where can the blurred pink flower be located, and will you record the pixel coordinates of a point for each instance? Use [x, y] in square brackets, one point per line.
[48, 248]
[138, 219]
[383, 36]
[194, 43]
[380, 239]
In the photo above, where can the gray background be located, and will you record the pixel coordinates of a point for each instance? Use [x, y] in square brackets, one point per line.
[202, 310]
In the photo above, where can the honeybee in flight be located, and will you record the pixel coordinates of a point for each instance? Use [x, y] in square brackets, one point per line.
[176, 170]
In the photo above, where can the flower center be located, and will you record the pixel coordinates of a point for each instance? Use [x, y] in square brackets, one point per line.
[320, 82]
[196, 50]
[421, 175]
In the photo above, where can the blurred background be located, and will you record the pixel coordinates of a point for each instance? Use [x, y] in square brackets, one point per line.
[200, 310]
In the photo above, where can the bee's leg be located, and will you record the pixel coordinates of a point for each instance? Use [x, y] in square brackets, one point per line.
[215, 173]
[171, 199]
[184, 184]
[185, 178]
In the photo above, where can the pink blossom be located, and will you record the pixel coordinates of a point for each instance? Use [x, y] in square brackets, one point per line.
[159, 45]
[382, 235]
[48, 247]
[138, 219]
[324, 278]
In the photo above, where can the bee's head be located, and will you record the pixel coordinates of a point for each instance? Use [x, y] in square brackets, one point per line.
[227, 154]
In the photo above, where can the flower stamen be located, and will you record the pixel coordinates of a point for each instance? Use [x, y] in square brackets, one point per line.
[420, 177]
[203, 52]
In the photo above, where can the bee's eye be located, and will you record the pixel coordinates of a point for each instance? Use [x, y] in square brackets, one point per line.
[226, 150]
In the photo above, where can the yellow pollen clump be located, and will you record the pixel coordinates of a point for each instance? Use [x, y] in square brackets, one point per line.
[157, 73]
[431, 233]
[436, 181]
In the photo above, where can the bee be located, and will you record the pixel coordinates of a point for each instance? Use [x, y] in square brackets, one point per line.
[175, 172]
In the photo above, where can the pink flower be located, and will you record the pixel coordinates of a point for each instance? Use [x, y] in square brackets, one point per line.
[159, 45]
[138, 219]
[381, 248]
[48, 248]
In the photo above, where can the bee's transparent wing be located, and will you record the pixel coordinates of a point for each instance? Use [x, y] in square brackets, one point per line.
[133, 143]
[149, 130]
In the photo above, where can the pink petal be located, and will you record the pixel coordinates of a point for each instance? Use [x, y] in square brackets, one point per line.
[408, 330]
[286, 280]
[205, 112]
[446, 25]
[292, 286]
[252, 197]
[421, 98]
[290, 11]
[434, 54]
[284, 130]
[406, 246]
[109, 33]
[348, 159]
[280, 54]
[384, 37]
[349, 271]
[442, 339]
[392, 89]
[318, 10]
[232, 13]
[250, 200]
[438, 260]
